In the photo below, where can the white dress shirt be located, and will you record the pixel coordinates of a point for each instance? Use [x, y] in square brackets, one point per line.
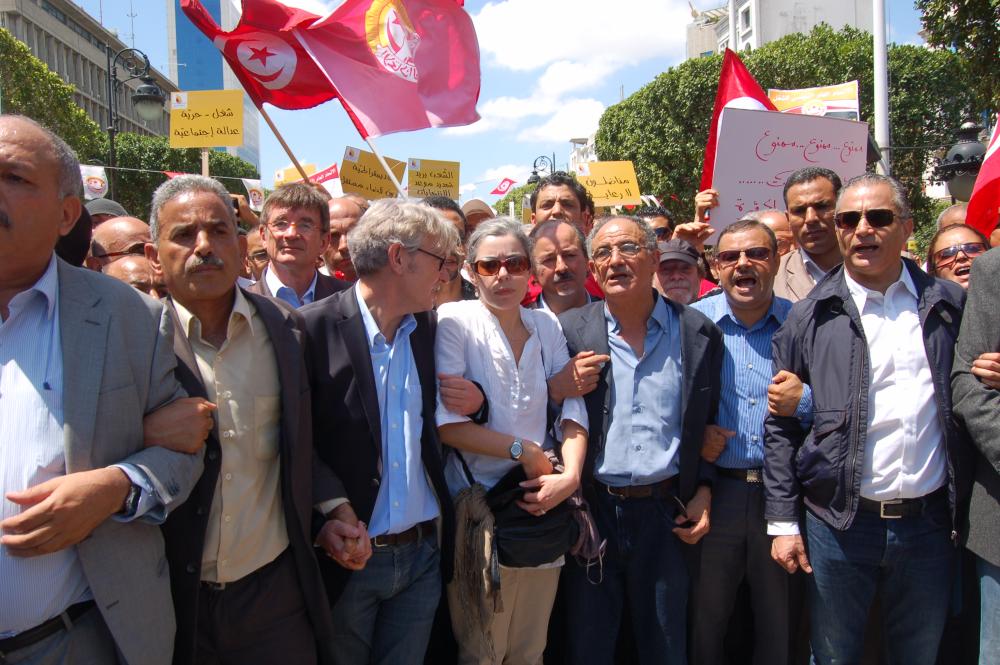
[812, 268]
[470, 343]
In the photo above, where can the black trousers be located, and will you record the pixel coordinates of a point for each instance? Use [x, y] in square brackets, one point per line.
[260, 619]
[736, 549]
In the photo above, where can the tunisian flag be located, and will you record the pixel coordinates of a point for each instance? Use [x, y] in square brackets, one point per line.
[398, 65]
[503, 187]
[737, 89]
[271, 64]
[984, 205]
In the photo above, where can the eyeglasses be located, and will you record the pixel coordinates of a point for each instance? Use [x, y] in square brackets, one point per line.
[515, 265]
[138, 249]
[731, 256]
[945, 257]
[877, 218]
[626, 249]
[260, 255]
[282, 226]
[441, 259]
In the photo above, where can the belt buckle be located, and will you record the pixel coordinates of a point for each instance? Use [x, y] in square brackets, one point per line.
[890, 502]
[754, 476]
[376, 543]
[214, 586]
[615, 491]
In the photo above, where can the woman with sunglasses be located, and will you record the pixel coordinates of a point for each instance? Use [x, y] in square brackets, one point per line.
[511, 352]
[952, 251]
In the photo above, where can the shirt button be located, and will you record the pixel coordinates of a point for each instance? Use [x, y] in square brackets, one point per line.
[229, 476]
[226, 394]
[395, 465]
[638, 447]
[395, 504]
[228, 518]
[228, 434]
[749, 365]
[753, 401]
[637, 409]
[754, 437]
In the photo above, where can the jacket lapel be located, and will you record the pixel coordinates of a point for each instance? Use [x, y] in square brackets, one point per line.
[352, 331]
[83, 328]
[693, 347]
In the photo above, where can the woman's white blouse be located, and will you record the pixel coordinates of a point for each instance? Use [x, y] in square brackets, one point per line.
[470, 343]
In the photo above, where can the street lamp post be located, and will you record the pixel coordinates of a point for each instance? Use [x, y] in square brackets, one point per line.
[541, 161]
[961, 165]
[148, 99]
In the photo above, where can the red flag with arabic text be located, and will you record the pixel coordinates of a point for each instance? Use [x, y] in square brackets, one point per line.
[503, 187]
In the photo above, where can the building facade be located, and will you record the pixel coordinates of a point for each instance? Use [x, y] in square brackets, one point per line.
[74, 46]
[759, 22]
[196, 64]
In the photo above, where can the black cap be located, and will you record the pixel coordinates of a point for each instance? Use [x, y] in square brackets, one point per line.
[106, 207]
[678, 250]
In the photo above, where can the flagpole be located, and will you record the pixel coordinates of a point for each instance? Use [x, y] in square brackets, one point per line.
[881, 80]
[281, 140]
[381, 160]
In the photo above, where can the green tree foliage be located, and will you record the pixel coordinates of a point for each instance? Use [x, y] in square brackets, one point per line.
[972, 29]
[134, 189]
[502, 206]
[663, 127]
[29, 87]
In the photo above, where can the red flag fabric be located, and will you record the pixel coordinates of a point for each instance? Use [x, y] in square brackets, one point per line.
[399, 65]
[503, 187]
[271, 64]
[984, 205]
[738, 89]
[173, 174]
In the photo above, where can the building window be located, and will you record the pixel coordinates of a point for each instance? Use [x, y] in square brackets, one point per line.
[745, 19]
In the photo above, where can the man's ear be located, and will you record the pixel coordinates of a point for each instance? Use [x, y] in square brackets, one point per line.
[152, 255]
[395, 253]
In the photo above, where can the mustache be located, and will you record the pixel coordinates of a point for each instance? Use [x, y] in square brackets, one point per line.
[565, 276]
[198, 261]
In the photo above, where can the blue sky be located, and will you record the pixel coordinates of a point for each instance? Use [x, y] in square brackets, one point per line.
[549, 68]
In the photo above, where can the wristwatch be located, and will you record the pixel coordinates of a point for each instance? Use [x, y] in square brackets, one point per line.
[516, 449]
[131, 501]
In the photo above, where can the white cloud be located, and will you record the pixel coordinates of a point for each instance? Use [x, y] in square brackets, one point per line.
[576, 117]
[468, 187]
[524, 35]
[517, 172]
[566, 76]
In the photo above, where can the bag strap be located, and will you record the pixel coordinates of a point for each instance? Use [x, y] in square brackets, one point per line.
[465, 467]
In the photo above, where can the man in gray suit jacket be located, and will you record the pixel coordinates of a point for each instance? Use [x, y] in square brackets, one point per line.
[977, 406]
[83, 358]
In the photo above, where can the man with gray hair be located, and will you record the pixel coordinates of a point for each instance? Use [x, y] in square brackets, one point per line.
[83, 358]
[884, 468]
[242, 545]
[777, 221]
[371, 362]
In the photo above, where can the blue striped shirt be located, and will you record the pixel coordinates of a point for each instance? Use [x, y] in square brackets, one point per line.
[746, 374]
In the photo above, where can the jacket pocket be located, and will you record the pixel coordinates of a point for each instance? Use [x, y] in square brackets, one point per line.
[819, 460]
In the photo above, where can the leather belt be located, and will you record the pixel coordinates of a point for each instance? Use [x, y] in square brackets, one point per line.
[894, 509]
[661, 488]
[34, 635]
[411, 535]
[755, 476]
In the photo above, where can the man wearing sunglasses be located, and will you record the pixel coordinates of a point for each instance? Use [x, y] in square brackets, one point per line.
[116, 238]
[295, 230]
[810, 196]
[883, 467]
[737, 549]
[646, 484]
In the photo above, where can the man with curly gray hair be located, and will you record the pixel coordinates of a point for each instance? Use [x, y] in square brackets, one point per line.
[371, 351]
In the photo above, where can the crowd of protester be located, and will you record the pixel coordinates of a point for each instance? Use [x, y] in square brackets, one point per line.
[401, 431]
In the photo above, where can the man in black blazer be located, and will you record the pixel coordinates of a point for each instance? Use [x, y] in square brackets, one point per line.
[370, 353]
[295, 230]
[244, 578]
[647, 486]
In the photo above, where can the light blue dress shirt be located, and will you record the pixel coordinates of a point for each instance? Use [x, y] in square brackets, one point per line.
[645, 403]
[746, 374]
[287, 293]
[405, 497]
[32, 451]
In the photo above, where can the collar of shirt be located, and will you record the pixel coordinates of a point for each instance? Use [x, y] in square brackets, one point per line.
[375, 337]
[660, 317]
[47, 286]
[278, 288]
[861, 294]
[192, 326]
[815, 272]
[717, 308]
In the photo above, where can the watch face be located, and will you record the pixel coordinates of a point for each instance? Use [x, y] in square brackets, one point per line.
[516, 449]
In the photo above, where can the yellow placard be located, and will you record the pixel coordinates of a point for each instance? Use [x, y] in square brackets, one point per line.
[432, 177]
[291, 174]
[206, 118]
[610, 183]
[834, 101]
[361, 173]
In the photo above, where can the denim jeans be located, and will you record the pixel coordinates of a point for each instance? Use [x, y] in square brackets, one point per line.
[386, 611]
[644, 566]
[989, 612]
[910, 559]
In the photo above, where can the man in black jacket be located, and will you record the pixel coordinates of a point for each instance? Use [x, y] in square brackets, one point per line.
[884, 467]
[647, 486]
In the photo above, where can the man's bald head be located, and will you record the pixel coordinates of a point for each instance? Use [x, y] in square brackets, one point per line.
[134, 271]
[344, 214]
[117, 237]
[952, 215]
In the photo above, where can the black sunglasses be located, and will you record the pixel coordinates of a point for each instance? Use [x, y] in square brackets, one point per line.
[877, 218]
[730, 256]
[515, 265]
